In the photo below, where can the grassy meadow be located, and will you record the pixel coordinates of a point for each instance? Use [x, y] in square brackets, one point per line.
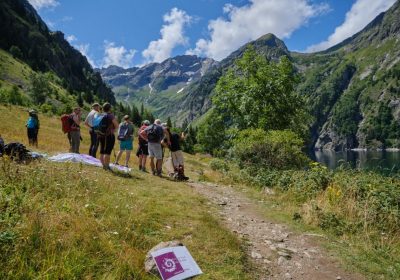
[356, 213]
[70, 221]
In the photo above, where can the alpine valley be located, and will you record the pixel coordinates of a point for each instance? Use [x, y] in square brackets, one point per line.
[352, 89]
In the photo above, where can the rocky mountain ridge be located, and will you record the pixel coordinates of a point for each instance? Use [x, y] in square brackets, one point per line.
[352, 89]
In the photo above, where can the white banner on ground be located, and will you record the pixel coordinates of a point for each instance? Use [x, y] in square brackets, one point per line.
[175, 263]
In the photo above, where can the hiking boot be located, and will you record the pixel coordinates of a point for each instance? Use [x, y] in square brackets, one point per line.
[144, 169]
[107, 168]
[140, 167]
[154, 172]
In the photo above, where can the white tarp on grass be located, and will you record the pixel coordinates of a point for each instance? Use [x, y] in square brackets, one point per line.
[85, 159]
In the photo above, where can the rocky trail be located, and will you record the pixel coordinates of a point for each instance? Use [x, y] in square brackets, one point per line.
[275, 251]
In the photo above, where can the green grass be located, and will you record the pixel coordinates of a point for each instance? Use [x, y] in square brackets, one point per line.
[70, 221]
[356, 212]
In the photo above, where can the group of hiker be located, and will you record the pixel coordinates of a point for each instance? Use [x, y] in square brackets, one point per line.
[153, 139]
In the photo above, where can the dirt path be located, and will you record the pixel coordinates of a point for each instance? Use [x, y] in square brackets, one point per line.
[277, 252]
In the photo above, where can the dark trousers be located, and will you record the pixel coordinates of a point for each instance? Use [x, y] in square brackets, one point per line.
[94, 143]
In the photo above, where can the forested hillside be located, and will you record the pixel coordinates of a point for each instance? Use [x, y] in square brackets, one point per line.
[25, 35]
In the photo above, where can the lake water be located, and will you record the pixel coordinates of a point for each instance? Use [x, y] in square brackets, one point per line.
[381, 161]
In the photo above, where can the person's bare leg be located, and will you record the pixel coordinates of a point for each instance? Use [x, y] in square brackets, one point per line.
[102, 159]
[152, 166]
[107, 161]
[144, 160]
[159, 166]
[140, 161]
[118, 157]
[128, 156]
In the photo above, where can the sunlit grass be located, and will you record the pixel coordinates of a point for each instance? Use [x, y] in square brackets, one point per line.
[70, 221]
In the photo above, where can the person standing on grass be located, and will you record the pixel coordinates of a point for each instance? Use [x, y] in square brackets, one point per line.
[125, 136]
[74, 136]
[142, 151]
[154, 134]
[32, 126]
[107, 141]
[94, 144]
[177, 154]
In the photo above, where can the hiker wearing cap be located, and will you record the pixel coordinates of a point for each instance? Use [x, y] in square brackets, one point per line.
[94, 144]
[154, 134]
[74, 135]
[125, 136]
[32, 126]
[177, 154]
[107, 138]
[142, 151]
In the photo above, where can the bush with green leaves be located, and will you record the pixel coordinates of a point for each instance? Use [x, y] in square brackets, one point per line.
[276, 149]
[219, 164]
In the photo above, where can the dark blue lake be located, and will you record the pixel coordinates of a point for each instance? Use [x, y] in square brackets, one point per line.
[380, 161]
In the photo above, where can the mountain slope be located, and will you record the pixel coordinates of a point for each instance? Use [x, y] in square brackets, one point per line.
[352, 89]
[25, 34]
[158, 85]
[197, 97]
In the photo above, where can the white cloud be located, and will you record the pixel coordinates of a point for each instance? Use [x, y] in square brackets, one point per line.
[117, 55]
[243, 24]
[71, 38]
[172, 35]
[39, 4]
[360, 14]
[84, 49]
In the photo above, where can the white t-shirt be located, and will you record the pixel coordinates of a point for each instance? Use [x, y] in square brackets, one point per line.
[90, 117]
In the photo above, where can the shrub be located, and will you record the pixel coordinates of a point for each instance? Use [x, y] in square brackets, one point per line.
[219, 164]
[277, 149]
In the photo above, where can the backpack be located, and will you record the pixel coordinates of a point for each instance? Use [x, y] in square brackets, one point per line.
[1, 146]
[32, 123]
[152, 134]
[123, 133]
[67, 123]
[101, 123]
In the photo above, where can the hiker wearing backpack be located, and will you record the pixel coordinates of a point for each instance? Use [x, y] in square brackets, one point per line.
[125, 136]
[143, 150]
[154, 134]
[176, 154]
[105, 125]
[74, 134]
[32, 126]
[94, 144]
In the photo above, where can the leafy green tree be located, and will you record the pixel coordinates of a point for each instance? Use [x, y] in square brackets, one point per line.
[212, 134]
[148, 116]
[16, 52]
[258, 93]
[169, 122]
[142, 109]
[79, 99]
[136, 118]
[14, 96]
[88, 97]
[40, 88]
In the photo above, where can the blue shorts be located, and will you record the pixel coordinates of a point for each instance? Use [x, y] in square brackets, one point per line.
[126, 145]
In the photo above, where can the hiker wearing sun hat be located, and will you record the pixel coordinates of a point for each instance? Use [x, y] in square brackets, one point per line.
[94, 144]
[32, 126]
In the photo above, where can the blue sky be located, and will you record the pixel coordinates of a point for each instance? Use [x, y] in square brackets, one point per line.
[135, 32]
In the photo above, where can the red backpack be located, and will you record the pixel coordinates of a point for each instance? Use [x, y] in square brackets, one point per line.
[66, 122]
